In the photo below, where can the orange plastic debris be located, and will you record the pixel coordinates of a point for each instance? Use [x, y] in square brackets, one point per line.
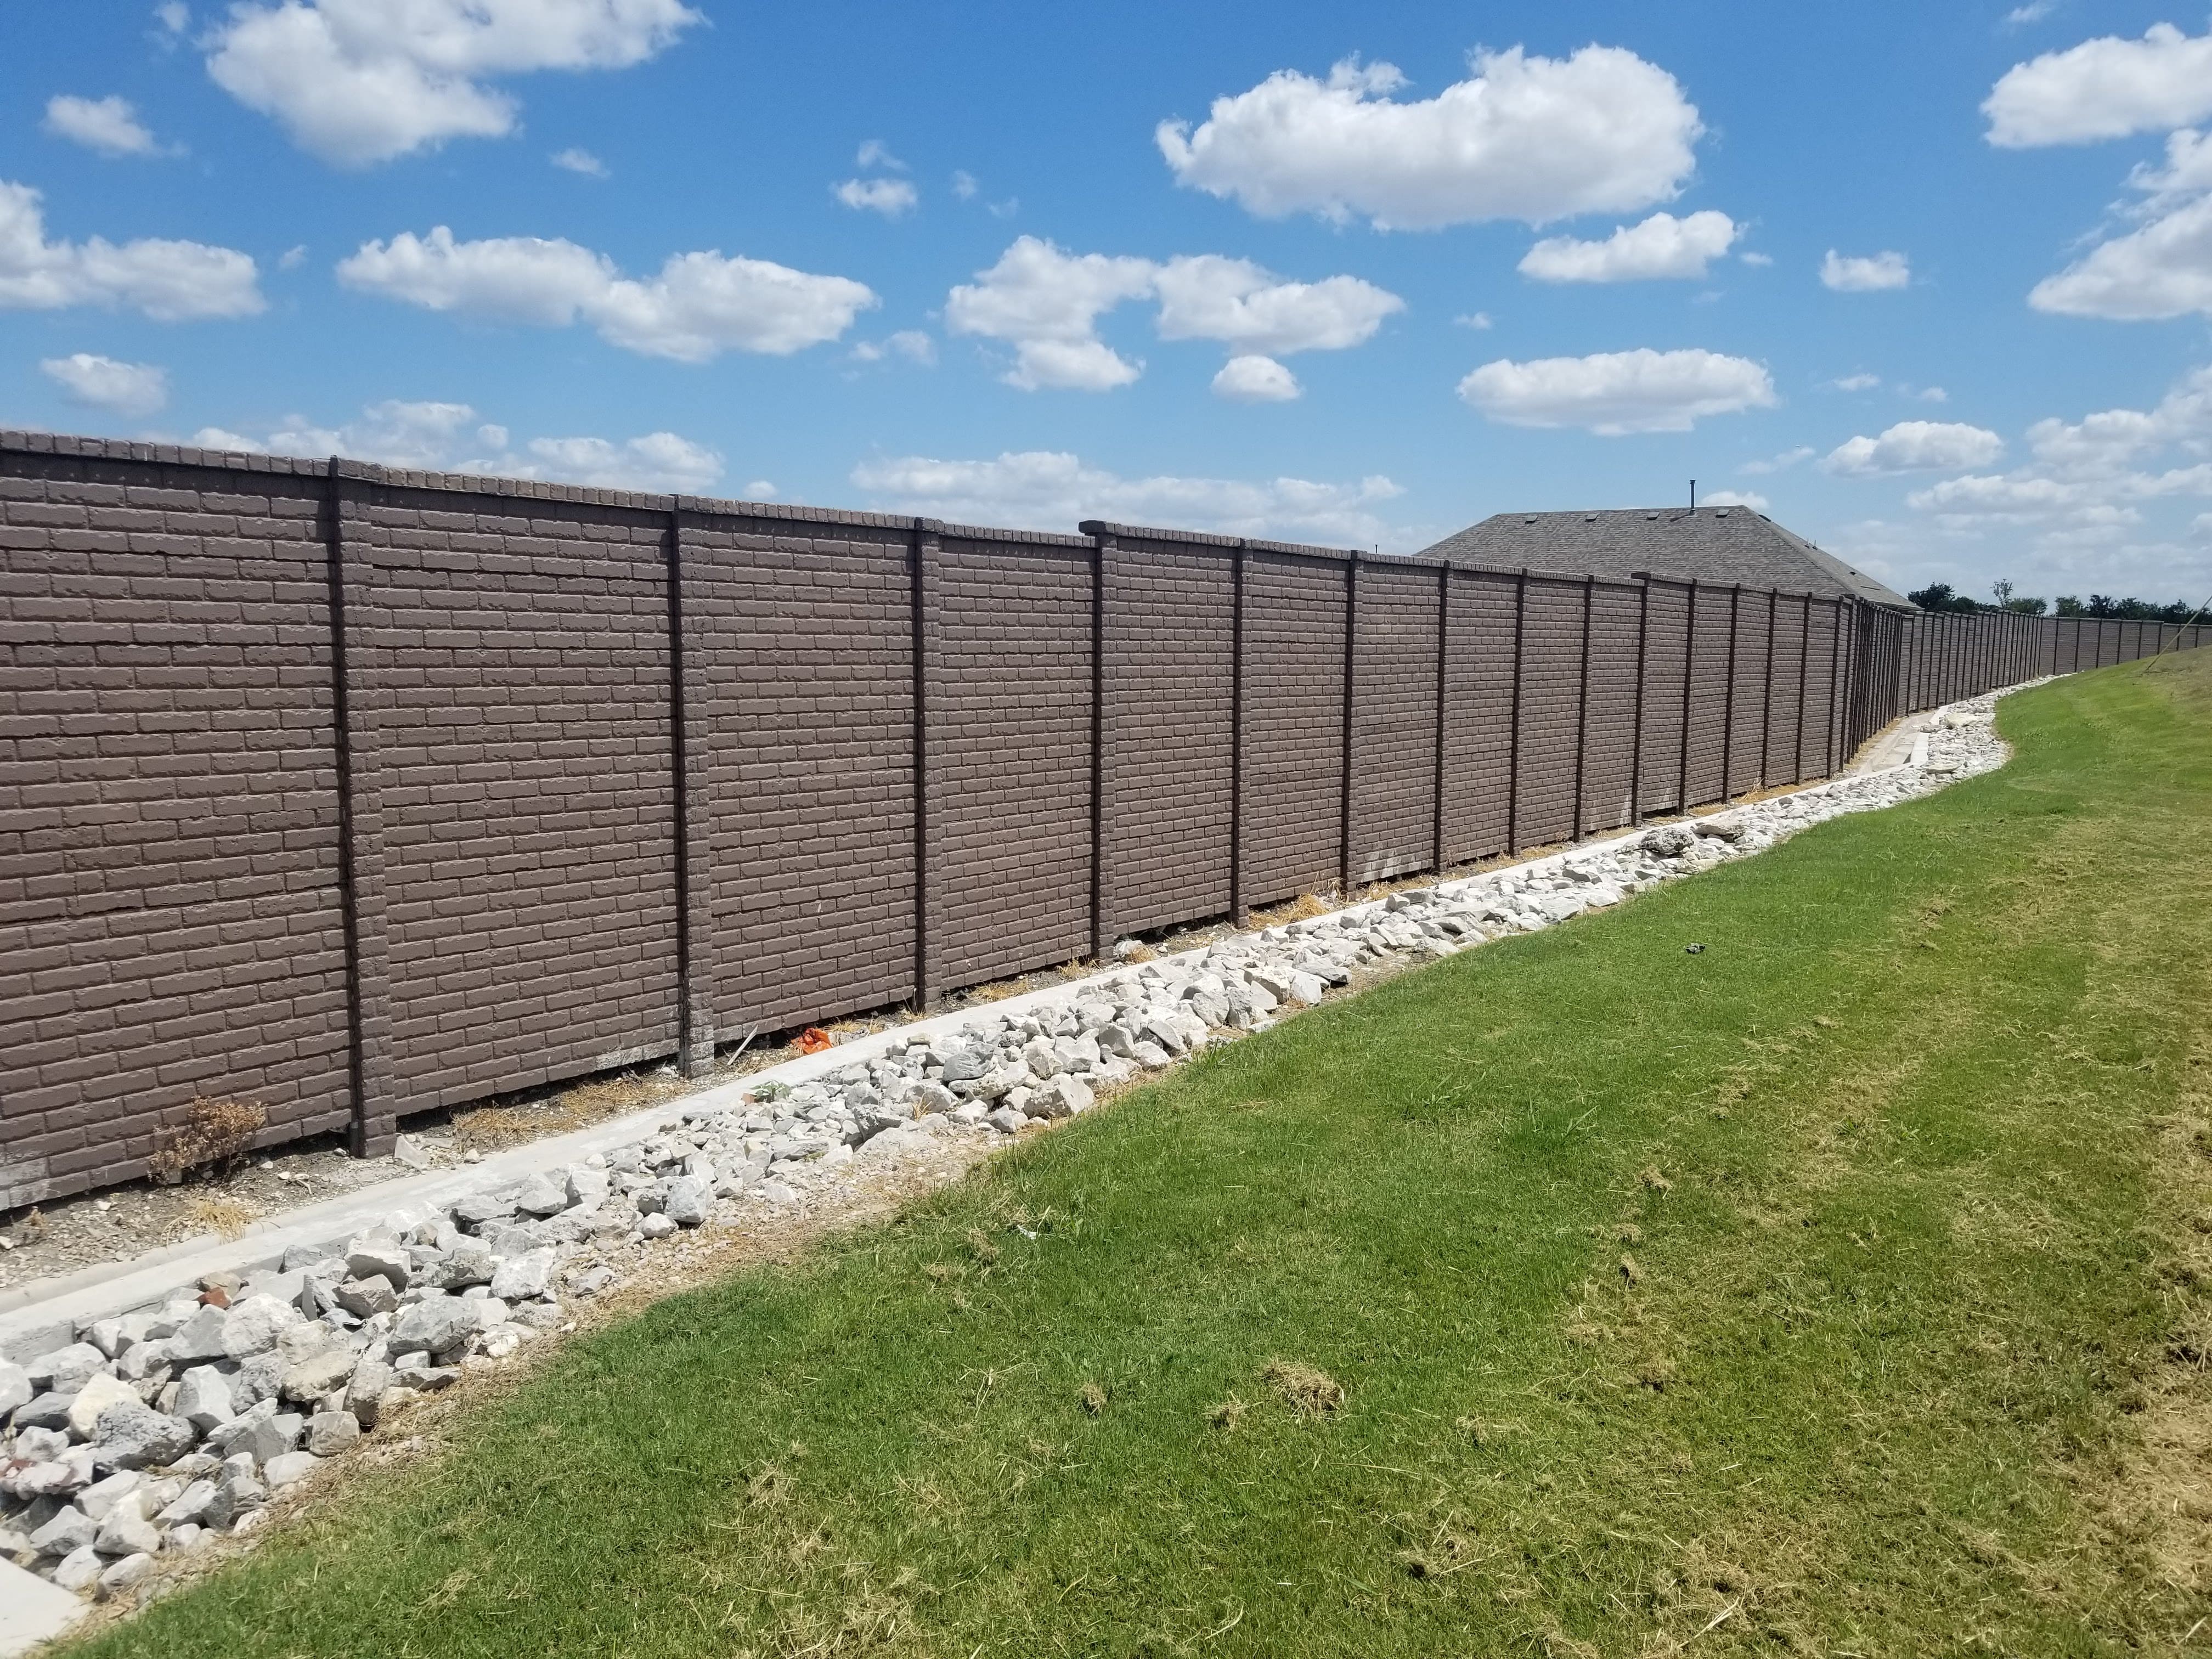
[813, 1040]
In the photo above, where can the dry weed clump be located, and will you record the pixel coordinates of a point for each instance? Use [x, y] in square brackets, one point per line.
[1308, 1390]
[212, 1134]
[226, 1218]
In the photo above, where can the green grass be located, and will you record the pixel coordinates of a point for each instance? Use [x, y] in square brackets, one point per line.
[1821, 1283]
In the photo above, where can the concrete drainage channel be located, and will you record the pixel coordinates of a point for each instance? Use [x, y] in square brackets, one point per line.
[155, 1406]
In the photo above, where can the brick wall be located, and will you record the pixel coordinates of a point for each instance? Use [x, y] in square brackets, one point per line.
[350, 793]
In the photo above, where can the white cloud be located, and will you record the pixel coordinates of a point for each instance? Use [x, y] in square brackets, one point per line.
[173, 15]
[1257, 380]
[1475, 319]
[1615, 392]
[889, 197]
[1869, 275]
[700, 306]
[1046, 303]
[358, 81]
[168, 280]
[910, 344]
[964, 186]
[2108, 87]
[1750, 498]
[1208, 297]
[1530, 138]
[2163, 269]
[875, 153]
[293, 258]
[1662, 246]
[760, 490]
[1781, 463]
[578, 160]
[444, 437]
[130, 389]
[109, 125]
[2033, 12]
[1856, 383]
[2090, 482]
[1916, 447]
[1043, 488]
[1927, 394]
[1758, 260]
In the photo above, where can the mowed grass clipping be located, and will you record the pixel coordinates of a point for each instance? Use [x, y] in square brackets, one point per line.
[1829, 1291]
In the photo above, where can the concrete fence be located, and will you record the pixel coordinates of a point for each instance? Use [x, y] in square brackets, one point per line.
[352, 792]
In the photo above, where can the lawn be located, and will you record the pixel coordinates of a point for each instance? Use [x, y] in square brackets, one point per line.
[1832, 1290]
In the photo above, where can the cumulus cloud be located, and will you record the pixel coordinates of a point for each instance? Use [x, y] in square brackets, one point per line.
[2088, 483]
[2108, 87]
[1916, 447]
[908, 345]
[1869, 275]
[1615, 393]
[168, 280]
[1252, 378]
[358, 82]
[1750, 498]
[1045, 488]
[1856, 383]
[1046, 302]
[578, 160]
[129, 389]
[446, 437]
[1662, 246]
[2163, 268]
[889, 197]
[109, 125]
[1535, 139]
[1208, 297]
[875, 153]
[700, 306]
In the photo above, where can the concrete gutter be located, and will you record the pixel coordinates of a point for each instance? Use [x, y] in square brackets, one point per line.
[47, 1313]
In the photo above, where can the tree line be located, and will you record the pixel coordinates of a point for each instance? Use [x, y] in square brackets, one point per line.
[1939, 596]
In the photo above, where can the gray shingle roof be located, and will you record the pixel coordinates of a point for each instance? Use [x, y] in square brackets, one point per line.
[1724, 546]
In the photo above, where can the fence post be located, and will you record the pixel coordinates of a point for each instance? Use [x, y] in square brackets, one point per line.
[1689, 674]
[1513, 750]
[1237, 908]
[1766, 694]
[1835, 661]
[1582, 708]
[1727, 714]
[1443, 646]
[375, 1127]
[694, 993]
[1351, 664]
[1804, 655]
[1635, 748]
[923, 543]
[1101, 546]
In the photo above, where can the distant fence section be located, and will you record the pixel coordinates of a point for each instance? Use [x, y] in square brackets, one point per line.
[352, 792]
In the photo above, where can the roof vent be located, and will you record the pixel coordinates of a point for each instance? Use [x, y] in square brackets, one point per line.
[1651, 515]
[1590, 518]
[1723, 513]
[1531, 519]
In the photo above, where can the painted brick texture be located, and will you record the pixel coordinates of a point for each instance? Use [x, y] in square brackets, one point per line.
[356, 793]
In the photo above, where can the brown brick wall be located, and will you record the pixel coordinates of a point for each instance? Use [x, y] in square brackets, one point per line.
[1293, 724]
[592, 814]
[1169, 620]
[798, 664]
[170, 925]
[1394, 722]
[1009, 737]
[520, 758]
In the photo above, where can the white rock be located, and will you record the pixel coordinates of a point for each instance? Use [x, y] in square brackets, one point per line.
[98, 1394]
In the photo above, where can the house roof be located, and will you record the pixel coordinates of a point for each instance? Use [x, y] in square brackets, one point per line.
[1727, 546]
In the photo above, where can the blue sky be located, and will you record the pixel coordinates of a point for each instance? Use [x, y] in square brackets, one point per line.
[1341, 274]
